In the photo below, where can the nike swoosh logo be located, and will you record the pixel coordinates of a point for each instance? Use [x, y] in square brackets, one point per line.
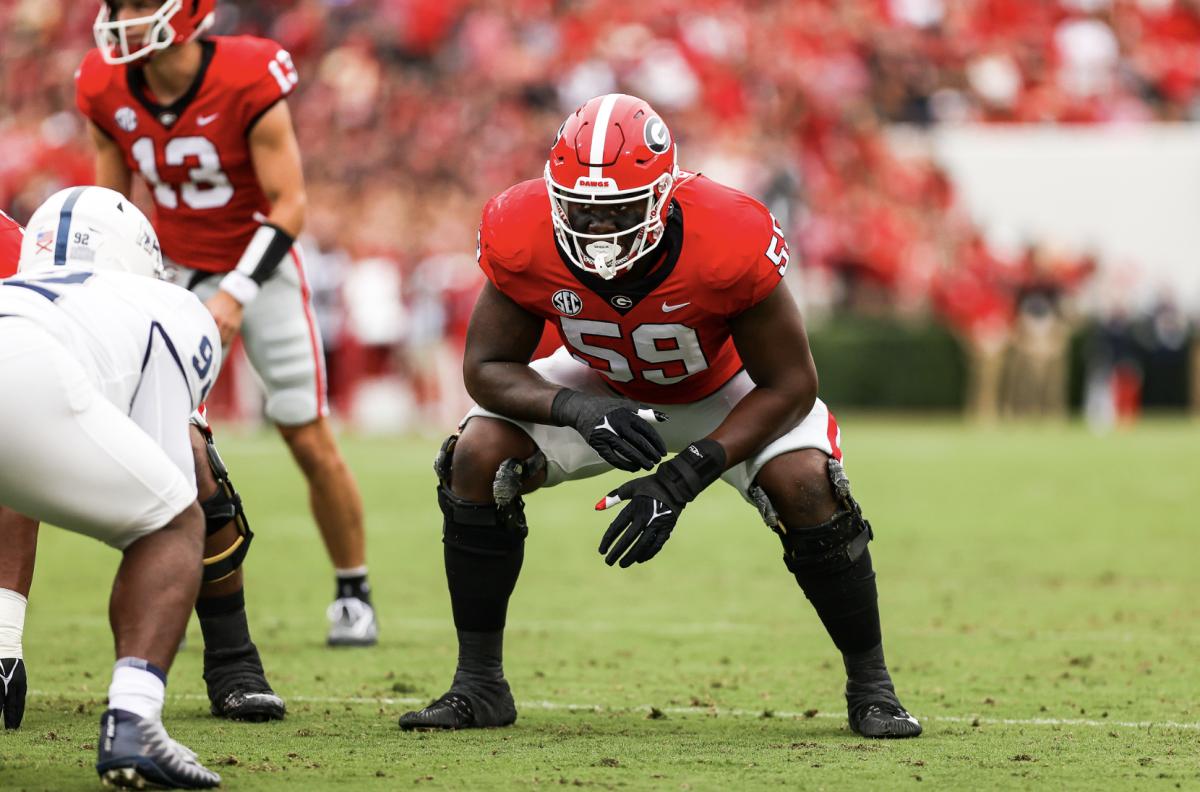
[206, 120]
[668, 308]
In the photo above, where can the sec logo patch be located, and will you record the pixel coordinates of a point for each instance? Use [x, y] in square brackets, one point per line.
[566, 302]
[126, 118]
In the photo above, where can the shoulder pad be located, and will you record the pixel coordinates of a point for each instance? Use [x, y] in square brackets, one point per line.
[733, 227]
[740, 242]
[245, 61]
[93, 76]
[511, 224]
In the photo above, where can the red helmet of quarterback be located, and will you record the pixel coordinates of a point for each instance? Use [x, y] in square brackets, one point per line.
[175, 22]
[614, 152]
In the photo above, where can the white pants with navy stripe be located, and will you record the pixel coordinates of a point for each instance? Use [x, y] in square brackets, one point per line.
[72, 458]
[569, 457]
[283, 344]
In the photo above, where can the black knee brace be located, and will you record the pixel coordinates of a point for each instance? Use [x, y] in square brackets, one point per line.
[223, 506]
[828, 548]
[484, 528]
[832, 564]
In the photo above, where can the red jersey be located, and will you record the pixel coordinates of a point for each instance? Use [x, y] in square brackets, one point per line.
[662, 338]
[10, 245]
[195, 154]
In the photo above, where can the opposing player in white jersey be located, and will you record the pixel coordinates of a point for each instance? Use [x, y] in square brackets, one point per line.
[103, 366]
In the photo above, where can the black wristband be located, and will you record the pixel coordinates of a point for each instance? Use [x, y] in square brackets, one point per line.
[690, 471]
[266, 250]
[563, 411]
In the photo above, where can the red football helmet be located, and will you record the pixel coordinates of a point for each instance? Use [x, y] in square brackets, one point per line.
[614, 151]
[175, 22]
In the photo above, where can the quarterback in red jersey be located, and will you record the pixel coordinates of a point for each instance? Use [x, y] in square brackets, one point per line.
[205, 122]
[665, 289]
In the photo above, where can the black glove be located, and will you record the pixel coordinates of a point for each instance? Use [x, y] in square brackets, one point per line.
[12, 691]
[655, 501]
[618, 429]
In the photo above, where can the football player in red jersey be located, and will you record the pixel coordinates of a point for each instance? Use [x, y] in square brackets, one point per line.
[237, 685]
[205, 122]
[18, 535]
[10, 245]
[665, 288]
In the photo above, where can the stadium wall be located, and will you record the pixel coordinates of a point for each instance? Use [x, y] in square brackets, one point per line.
[1129, 193]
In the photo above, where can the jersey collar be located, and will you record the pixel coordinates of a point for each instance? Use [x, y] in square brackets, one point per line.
[168, 115]
[624, 293]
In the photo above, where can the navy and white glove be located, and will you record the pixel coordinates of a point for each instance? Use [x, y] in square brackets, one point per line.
[12, 691]
[618, 429]
[653, 503]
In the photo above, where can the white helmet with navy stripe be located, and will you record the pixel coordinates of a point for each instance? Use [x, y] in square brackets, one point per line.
[90, 228]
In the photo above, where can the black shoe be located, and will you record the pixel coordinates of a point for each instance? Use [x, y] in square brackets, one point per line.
[238, 687]
[13, 687]
[460, 710]
[880, 715]
[255, 706]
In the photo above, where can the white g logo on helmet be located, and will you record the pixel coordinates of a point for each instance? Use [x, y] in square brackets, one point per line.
[658, 137]
[90, 228]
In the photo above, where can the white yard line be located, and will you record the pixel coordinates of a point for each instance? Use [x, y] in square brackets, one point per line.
[555, 706]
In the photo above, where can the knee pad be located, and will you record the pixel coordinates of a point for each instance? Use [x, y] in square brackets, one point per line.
[829, 548]
[486, 529]
[225, 505]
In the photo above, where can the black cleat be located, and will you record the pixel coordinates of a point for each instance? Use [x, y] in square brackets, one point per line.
[455, 710]
[255, 706]
[238, 687]
[13, 686]
[880, 715]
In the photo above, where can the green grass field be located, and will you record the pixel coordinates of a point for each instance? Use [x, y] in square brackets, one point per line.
[1040, 597]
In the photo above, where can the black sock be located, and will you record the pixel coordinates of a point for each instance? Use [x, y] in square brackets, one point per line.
[847, 603]
[480, 586]
[480, 658]
[223, 621]
[355, 586]
[866, 672]
[230, 657]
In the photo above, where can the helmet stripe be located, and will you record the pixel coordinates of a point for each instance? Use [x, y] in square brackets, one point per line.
[600, 134]
[64, 227]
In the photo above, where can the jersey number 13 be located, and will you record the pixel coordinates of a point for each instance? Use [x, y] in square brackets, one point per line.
[208, 186]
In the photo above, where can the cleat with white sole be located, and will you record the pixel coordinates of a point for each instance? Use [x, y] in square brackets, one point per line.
[351, 623]
[137, 753]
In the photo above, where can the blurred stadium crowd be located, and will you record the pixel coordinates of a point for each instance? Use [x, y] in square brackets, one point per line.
[412, 112]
